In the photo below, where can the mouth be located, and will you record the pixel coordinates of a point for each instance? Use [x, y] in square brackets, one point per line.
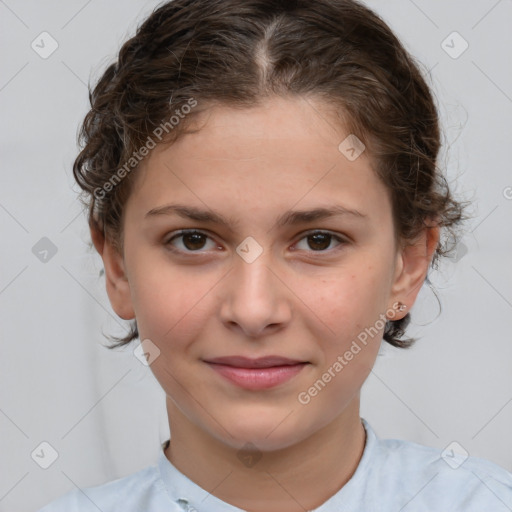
[256, 374]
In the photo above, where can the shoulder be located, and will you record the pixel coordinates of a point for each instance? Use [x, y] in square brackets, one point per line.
[139, 491]
[449, 478]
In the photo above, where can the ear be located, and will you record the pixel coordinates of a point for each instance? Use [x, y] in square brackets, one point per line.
[413, 261]
[118, 286]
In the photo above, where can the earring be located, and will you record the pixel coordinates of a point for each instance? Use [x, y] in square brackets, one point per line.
[401, 306]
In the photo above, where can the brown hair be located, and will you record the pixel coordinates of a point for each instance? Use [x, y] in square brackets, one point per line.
[238, 53]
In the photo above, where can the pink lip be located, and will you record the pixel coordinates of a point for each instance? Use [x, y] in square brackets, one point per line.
[255, 374]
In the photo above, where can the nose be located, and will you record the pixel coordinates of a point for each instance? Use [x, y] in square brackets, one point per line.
[256, 300]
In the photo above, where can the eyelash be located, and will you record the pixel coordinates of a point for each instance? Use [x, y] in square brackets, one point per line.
[184, 232]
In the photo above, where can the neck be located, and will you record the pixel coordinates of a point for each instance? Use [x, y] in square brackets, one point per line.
[297, 478]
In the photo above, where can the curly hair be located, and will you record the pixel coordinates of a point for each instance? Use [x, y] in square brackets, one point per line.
[236, 53]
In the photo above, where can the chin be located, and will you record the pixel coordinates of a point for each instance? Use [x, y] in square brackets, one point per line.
[261, 441]
[266, 432]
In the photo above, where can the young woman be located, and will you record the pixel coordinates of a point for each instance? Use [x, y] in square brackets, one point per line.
[262, 185]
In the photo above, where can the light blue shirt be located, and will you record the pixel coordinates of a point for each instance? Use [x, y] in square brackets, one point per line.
[392, 475]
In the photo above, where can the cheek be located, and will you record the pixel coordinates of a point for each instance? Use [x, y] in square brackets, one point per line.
[352, 307]
[170, 303]
[350, 301]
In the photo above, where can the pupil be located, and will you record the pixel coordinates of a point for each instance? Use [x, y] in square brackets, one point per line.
[195, 238]
[317, 238]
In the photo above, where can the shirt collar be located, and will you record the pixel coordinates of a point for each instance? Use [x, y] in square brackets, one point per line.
[185, 492]
[349, 497]
[192, 497]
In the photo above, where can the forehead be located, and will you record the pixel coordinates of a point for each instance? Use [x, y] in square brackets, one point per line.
[283, 153]
[276, 124]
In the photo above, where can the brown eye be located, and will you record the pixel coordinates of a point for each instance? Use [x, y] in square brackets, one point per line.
[320, 241]
[191, 241]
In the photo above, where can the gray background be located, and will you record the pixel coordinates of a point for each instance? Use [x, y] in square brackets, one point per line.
[102, 411]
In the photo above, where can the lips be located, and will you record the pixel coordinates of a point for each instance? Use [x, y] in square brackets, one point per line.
[261, 362]
[256, 374]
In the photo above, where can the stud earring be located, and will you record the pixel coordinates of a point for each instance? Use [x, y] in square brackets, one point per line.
[401, 306]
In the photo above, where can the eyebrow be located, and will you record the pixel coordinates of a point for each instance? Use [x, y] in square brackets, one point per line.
[289, 218]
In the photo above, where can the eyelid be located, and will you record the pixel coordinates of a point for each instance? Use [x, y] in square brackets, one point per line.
[334, 234]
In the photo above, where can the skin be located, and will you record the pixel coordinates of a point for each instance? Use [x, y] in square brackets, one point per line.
[293, 301]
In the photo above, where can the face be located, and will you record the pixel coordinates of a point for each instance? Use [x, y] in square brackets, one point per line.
[266, 282]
